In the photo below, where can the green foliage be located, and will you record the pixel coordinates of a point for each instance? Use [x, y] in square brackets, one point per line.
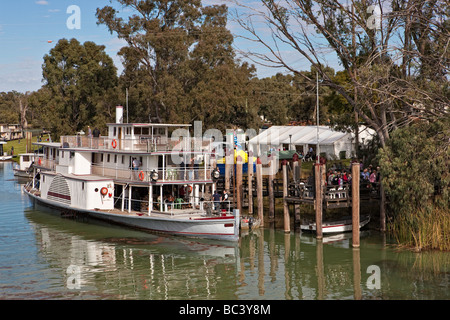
[9, 112]
[415, 170]
[179, 63]
[78, 77]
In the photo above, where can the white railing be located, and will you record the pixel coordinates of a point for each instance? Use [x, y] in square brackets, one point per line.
[143, 144]
[167, 174]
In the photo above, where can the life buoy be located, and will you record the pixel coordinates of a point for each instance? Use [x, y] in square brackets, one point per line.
[39, 161]
[190, 189]
[114, 143]
[141, 175]
[103, 191]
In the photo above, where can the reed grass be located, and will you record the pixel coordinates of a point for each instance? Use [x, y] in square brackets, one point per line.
[427, 228]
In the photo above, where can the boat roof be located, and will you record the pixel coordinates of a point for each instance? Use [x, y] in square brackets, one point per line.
[149, 125]
[82, 177]
[48, 144]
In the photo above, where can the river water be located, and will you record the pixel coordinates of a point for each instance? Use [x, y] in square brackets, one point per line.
[43, 256]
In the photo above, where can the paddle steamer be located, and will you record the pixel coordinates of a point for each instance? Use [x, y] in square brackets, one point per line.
[137, 176]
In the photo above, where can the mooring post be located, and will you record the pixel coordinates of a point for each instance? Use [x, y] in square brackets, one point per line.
[355, 204]
[287, 223]
[382, 208]
[318, 196]
[239, 192]
[250, 182]
[296, 165]
[259, 191]
[229, 162]
[270, 189]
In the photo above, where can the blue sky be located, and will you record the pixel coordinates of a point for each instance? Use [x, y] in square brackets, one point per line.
[27, 26]
[29, 29]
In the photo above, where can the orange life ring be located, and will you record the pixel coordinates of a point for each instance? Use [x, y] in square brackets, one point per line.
[39, 161]
[141, 175]
[190, 189]
[103, 191]
[114, 143]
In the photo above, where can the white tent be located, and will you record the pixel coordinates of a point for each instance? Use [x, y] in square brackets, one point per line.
[331, 142]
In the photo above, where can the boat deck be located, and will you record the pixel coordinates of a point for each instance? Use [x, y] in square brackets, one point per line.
[175, 214]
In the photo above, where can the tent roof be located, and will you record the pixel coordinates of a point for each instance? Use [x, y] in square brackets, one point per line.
[276, 135]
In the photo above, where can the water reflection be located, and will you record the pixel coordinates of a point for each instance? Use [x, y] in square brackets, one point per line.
[43, 256]
[117, 263]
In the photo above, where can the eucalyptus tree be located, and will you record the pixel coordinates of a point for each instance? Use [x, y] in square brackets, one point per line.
[179, 63]
[77, 77]
[395, 53]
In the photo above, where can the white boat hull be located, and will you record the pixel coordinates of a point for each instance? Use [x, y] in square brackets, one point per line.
[5, 158]
[218, 228]
[335, 226]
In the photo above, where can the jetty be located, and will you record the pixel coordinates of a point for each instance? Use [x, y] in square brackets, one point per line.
[285, 183]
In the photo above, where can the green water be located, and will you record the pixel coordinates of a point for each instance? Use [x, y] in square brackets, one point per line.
[43, 256]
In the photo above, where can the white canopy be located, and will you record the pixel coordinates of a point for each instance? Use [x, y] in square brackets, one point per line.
[330, 141]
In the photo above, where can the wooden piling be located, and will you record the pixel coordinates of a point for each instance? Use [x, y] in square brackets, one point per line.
[355, 204]
[382, 208]
[259, 191]
[239, 189]
[296, 165]
[229, 162]
[287, 223]
[29, 142]
[250, 182]
[270, 189]
[318, 199]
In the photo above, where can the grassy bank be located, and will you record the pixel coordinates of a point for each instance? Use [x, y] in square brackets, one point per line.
[20, 146]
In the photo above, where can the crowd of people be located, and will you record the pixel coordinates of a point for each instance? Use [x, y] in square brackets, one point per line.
[369, 177]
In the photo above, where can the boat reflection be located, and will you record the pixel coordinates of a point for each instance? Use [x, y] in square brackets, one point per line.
[266, 263]
[130, 264]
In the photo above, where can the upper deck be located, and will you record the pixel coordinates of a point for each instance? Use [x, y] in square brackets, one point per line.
[140, 138]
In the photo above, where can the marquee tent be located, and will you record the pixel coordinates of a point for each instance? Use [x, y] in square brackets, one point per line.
[301, 138]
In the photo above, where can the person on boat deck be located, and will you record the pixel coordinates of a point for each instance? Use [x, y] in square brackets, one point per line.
[136, 164]
[169, 200]
[216, 198]
[224, 199]
[96, 133]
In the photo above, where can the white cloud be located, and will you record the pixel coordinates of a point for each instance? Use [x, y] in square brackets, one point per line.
[42, 2]
[23, 75]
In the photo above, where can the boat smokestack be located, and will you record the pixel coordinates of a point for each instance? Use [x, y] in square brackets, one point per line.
[119, 114]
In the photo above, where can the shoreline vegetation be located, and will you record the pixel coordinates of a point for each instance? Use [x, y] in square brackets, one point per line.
[426, 229]
[396, 85]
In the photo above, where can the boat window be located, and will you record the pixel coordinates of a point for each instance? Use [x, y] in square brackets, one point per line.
[26, 158]
[82, 186]
[115, 158]
[108, 158]
[145, 131]
[114, 131]
[72, 154]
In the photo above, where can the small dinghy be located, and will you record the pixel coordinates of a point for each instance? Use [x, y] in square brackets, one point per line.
[342, 225]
